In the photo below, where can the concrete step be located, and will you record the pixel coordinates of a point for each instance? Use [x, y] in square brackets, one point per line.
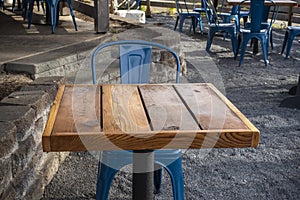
[58, 61]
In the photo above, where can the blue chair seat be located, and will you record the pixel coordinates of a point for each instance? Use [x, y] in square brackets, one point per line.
[290, 34]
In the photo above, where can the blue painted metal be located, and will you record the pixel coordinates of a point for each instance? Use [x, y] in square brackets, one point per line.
[135, 58]
[135, 63]
[215, 25]
[254, 30]
[290, 34]
[183, 12]
[2, 4]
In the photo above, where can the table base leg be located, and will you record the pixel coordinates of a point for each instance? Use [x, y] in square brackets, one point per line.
[143, 166]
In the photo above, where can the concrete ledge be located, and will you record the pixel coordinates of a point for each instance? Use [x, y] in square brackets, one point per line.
[68, 59]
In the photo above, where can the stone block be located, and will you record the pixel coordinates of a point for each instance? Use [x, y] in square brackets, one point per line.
[21, 116]
[38, 100]
[36, 189]
[50, 89]
[8, 132]
[54, 80]
[23, 156]
[23, 181]
[9, 193]
[5, 174]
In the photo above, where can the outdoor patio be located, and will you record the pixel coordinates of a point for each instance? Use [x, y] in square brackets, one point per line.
[270, 171]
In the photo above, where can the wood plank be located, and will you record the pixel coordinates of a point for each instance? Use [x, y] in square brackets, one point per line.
[164, 139]
[51, 119]
[86, 108]
[79, 109]
[165, 108]
[208, 108]
[123, 110]
[250, 126]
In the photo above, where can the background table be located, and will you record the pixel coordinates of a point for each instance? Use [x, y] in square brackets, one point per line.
[288, 3]
[144, 118]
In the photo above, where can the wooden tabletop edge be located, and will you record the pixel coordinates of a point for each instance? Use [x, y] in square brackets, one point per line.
[51, 119]
[234, 109]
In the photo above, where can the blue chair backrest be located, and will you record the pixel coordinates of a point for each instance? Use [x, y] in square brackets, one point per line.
[135, 63]
[182, 6]
[256, 11]
[135, 60]
[211, 12]
[265, 14]
[259, 13]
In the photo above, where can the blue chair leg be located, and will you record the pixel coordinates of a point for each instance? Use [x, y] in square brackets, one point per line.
[243, 49]
[289, 45]
[105, 176]
[53, 14]
[233, 42]
[13, 5]
[72, 14]
[176, 23]
[194, 23]
[181, 20]
[2, 4]
[210, 39]
[112, 161]
[264, 48]
[284, 41]
[175, 171]
[24, 8]
[30, 12]
[200, 25]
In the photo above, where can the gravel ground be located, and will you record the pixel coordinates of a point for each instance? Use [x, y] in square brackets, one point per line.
[271, 171]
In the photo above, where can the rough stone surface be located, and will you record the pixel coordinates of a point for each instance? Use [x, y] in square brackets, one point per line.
[5, 174]
[7, 138]
[21, 116]
[37, 100]
[25, 169]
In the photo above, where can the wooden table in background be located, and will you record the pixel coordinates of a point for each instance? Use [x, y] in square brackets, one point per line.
[145, 117]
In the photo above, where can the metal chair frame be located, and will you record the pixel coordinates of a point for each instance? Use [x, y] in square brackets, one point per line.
[132, 51]
[255, 28]
[216, 25]
[183, 12]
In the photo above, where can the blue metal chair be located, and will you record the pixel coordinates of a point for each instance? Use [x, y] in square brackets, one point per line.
[265, 24]
[290, 34]
[135, 59]
[53, 5]
[233, 15]
[216, 25]
[255, 29]
[183, 12]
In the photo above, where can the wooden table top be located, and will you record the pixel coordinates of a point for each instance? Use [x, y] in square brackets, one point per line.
[145, 117]
[278, 2]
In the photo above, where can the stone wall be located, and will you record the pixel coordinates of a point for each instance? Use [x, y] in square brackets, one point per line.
[25, 169]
